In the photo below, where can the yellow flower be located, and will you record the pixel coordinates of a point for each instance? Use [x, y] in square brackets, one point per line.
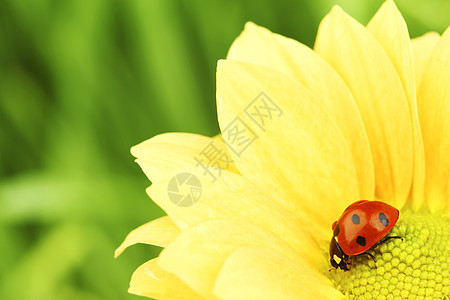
[304, 133]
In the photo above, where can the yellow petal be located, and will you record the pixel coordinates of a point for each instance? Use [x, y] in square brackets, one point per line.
[363, 64]
[260, 46]
[159, 232]
[253, 272]
[197, 255]
[293, 150]
[422, 48]
[389, 28]
[163, 153]
[150, 280]
[434, 114]
[233, 196]
[218, 138]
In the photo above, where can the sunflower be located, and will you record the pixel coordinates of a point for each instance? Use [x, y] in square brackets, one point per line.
[304, 133]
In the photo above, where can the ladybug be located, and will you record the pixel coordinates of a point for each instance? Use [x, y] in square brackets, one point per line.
[362, 226]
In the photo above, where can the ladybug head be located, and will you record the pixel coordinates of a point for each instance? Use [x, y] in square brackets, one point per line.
[338, 259]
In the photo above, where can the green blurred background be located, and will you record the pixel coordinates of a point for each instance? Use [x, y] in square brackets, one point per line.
[83, 81]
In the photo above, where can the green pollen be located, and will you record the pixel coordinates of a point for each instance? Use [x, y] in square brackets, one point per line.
[416, 268]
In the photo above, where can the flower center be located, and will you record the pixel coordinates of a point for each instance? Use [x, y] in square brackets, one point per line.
[417, 267]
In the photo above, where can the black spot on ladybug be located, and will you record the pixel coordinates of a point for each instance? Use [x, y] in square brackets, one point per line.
[355, 219]
[361, 240]
[383, 219]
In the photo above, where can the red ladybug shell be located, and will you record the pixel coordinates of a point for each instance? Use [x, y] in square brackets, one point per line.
[363, 224]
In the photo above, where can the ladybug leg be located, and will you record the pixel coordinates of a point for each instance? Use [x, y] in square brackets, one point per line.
[387, 239]
[371, 256]
[367, 253]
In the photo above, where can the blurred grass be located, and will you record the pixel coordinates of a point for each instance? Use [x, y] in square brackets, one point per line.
[81, 82]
